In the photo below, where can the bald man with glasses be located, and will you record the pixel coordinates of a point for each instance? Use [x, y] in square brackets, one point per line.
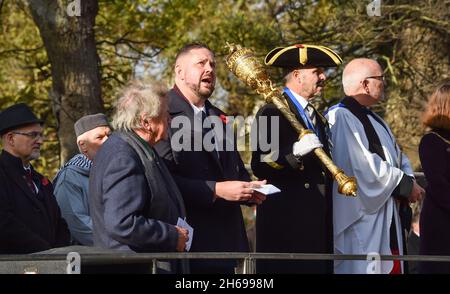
[365, 147]
[30, 219]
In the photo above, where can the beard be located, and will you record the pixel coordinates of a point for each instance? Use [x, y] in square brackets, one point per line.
[205, 93]
[202, 92]
[34, 155]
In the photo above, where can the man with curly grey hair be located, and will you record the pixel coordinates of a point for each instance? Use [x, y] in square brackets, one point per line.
[134, 201]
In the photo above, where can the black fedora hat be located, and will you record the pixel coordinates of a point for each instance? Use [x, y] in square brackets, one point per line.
[302, 55]
[16, 116]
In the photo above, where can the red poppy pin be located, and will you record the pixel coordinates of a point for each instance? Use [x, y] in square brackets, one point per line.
[224, 118]
[44, 181]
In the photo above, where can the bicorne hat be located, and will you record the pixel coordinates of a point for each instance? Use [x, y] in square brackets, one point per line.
[300, 55]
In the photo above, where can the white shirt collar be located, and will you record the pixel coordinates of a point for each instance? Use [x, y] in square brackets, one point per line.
[303, 102]
[197, 109]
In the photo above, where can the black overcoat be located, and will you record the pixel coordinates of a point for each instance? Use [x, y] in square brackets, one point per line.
[434, 155]
[28, 222]
[218, 225]
[299, 218]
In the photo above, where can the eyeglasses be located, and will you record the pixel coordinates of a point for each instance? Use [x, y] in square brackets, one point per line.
[380, 78]
[32, 135]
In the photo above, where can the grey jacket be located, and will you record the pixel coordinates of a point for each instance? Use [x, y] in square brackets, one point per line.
[71, 192]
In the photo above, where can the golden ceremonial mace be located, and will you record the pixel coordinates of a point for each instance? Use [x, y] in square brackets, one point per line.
[243, 63]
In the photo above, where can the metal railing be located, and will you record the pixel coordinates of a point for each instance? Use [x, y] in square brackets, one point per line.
[72, 259]
[68, 263]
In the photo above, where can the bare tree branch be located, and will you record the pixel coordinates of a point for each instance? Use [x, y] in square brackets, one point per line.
[20, 50]
[1, 6]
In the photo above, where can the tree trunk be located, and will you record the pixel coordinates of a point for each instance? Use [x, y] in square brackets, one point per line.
[69, 39]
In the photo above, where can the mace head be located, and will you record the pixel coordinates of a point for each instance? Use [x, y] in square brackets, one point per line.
[246, 66]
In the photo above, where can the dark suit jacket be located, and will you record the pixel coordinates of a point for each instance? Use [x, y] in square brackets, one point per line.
[125, 214]
[218, 225]
[299, 218]
[28, 222]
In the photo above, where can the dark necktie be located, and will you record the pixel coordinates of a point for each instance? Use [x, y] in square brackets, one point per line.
[29, 180]
[312, 114]
[207, 129]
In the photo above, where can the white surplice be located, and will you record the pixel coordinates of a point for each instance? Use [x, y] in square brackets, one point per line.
[361, 224]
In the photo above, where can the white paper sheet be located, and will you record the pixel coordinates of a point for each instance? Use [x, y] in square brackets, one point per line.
[183, 224]
[267, 189]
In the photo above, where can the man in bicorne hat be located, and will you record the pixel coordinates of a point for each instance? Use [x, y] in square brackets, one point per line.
[299, 218]
[30, 219]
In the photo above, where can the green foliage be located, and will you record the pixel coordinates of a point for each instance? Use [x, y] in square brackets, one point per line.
[24, 74]
[141, 38]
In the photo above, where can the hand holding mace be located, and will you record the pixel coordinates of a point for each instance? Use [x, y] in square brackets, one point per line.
[243, 63]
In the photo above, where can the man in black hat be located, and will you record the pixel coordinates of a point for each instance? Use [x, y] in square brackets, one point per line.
[30, 219]
[299, 218]
[72, 181]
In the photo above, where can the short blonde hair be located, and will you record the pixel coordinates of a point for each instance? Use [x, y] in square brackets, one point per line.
[437, 112]
[138, 99]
